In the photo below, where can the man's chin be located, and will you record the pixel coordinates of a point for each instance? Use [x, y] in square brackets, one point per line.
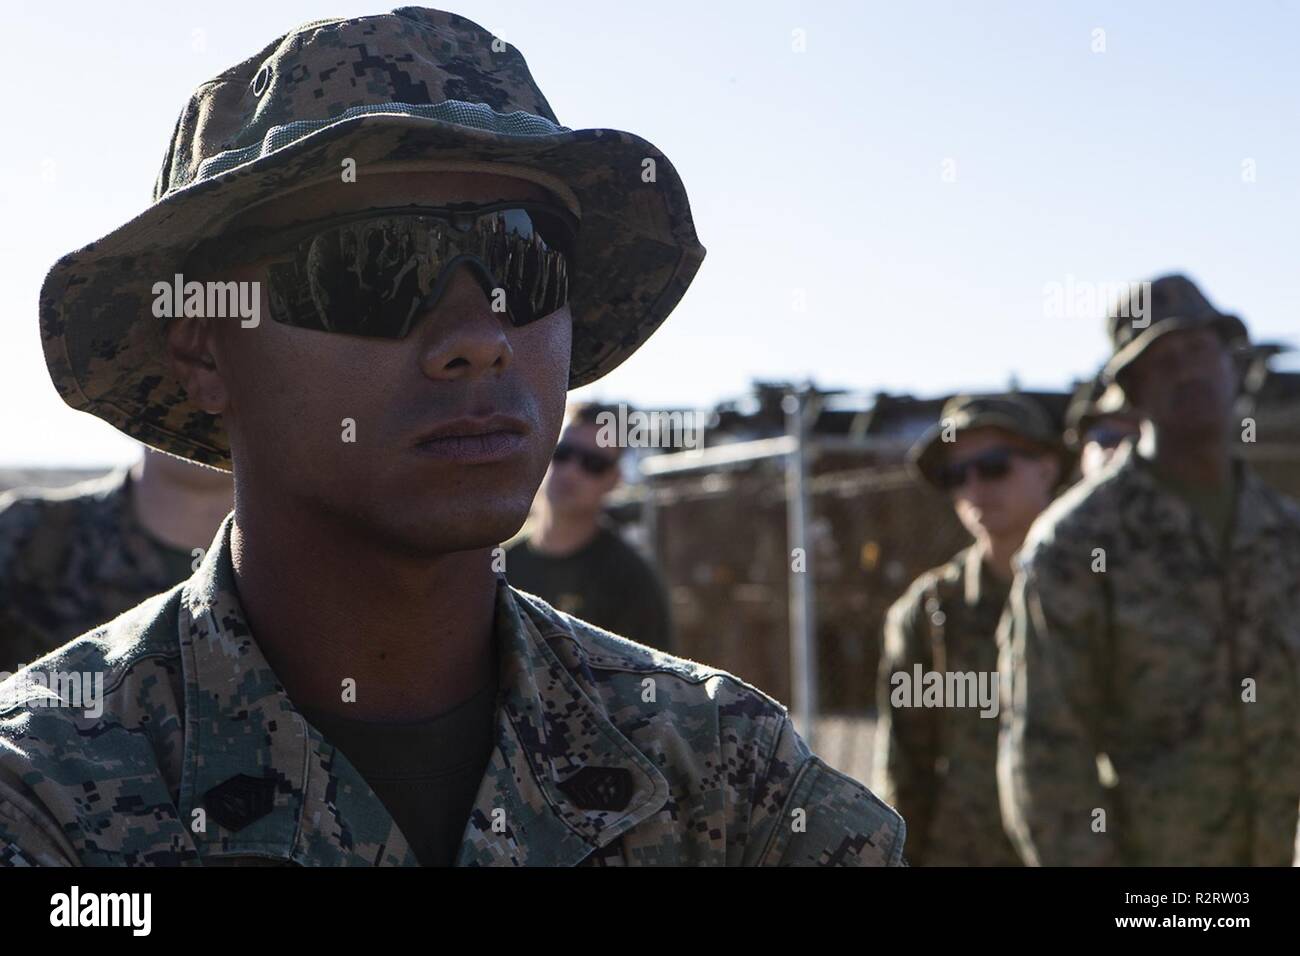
[467, 532]
[430, 541]
[993, 525]
[442, 527]
[1207, 427]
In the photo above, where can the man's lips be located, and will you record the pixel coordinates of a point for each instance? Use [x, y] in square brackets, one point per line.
[475, 440]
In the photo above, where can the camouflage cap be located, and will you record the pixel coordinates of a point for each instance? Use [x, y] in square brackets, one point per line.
[414, 89]
[1008, 411]
[1174, 304]
[1091, 402]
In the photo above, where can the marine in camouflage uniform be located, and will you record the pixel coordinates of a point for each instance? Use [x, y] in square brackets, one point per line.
[603, 751]
[587, 769]
[74, 558]
[1151, 653]
[937, 766]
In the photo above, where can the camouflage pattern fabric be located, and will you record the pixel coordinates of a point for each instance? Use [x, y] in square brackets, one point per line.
[1180, 663]
[414, 89]
[938, 767]
[607, 753]
[72, 559]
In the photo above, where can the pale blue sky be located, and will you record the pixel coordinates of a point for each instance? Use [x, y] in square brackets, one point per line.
[819, 171]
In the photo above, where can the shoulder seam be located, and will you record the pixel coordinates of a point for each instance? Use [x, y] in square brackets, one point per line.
[777, 830]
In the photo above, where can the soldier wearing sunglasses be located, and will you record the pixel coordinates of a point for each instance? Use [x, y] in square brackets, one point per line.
[997, 459]
[346, 680]
[1097, 423]
[1152, 642]
[571, 556]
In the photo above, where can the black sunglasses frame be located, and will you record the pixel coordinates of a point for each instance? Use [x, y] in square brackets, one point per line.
[1106, 437]
[991, 465]
[590, 462]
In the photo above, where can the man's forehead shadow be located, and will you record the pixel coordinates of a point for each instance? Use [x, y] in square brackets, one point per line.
[1175, 342]
[388, 188]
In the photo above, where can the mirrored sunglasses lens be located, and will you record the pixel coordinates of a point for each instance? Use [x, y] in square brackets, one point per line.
[372, 277]
[526, 250]
[365, 278]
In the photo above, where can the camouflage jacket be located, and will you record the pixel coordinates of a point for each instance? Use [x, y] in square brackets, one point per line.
[938, 767]
[72, 559]
[607, 753]
[1162, 691]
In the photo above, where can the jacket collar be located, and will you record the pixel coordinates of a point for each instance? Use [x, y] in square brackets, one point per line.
[1256, 512]
[562, 781]
[978, 583]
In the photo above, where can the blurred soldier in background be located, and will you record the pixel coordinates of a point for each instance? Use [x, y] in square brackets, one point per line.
[76, 557]
[998, 459]
[1153, 636]
[1098, 420]
[572, 557]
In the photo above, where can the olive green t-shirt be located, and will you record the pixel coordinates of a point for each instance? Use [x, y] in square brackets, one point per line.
[605, 582]
[1215, 504]
[426, 773]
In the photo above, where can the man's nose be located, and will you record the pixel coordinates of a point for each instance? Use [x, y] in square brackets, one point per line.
[461, 336]
[977, 487]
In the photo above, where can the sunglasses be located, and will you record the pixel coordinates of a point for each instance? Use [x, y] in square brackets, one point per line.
[1106, 437]
[373, 273]
[992, 465]
[593, 464]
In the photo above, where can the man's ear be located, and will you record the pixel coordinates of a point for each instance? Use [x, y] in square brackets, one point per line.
[190, 348]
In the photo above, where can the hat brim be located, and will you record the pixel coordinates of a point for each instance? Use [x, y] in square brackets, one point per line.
[637, 253]
[1230, 326]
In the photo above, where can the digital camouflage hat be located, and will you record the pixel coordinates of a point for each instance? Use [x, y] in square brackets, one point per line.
[1173, 304]
[413, 89]
[1009, 411]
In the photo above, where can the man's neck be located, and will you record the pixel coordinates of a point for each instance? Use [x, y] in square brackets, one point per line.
[414, 637]
[1192, 461]
[559, 536]
[182, 515]
[996, 554]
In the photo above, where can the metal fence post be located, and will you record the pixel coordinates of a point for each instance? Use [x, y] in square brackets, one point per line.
[803, 652]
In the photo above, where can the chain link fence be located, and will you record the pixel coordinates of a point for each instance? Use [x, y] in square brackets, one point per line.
[721, 542]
